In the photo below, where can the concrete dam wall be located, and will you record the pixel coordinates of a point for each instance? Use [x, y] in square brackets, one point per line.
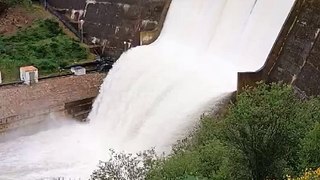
[295, 57]
[113, 26]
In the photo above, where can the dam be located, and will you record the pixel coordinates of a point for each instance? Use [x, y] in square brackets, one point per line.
[160, 89]
[293, 58]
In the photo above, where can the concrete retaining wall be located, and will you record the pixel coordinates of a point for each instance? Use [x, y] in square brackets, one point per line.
[294, 59]
[250, 78]
[79, 109]
[148, 37]
[23, 105]
[112, 24]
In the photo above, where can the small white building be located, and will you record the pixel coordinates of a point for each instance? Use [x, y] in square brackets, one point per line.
[29, 75]
[78, 70]
[0, 78]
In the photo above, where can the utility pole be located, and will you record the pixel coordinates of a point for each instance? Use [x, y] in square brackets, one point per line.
[81, 30]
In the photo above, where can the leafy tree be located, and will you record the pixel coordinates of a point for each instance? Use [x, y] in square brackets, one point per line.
[122, 166]
[311, 148]
[259, 126]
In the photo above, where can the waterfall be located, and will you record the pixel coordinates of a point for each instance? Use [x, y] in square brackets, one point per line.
[155, 94]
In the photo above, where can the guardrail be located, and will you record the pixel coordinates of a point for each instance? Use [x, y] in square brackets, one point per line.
[64, 20]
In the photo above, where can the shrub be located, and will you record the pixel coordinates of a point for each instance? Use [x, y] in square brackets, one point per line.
[122, 166]
[259, 126]
[16, 2]
[311, 148]
[309, 174]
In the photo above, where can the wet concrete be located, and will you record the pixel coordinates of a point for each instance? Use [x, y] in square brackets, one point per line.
[111, 26]
[295, 57]
[23, 105]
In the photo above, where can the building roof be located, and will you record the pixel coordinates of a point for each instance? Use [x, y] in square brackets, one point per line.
[77, 68]
[28, 68]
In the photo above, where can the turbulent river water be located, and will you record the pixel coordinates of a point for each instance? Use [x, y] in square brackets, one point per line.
[155, 94]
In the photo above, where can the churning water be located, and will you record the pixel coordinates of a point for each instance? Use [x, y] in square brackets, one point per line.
[155, 93]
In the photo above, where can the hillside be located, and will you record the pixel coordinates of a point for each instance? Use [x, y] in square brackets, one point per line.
[29, 35]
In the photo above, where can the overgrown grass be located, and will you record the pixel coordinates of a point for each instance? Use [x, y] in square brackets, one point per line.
[17, 2]
[43, 45]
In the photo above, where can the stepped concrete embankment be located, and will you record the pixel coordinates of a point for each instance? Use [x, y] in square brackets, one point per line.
[21, 105]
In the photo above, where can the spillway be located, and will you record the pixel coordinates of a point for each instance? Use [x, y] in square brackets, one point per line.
[155, 94]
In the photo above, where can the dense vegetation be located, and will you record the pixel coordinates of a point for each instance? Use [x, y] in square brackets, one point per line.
[267, 134]
[16, 2]
[43, 45]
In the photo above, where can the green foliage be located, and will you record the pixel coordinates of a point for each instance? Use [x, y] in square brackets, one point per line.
[178, 166]
[261, 126]
[311, 148]
[122, 166]
[203, 156]
[205, 162]
[17, 2]
[43, 45]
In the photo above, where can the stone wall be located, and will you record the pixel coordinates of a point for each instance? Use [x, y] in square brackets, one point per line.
[295, 57]
[22, 105]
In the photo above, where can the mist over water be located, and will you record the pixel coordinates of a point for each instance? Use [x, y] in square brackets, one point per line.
[155, 94]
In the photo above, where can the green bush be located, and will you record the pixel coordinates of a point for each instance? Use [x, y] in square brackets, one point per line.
[311, 148]
[203, 156]
[17, 2]
[262, 126]
[123, 166]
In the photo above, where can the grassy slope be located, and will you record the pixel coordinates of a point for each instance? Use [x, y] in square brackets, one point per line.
[44, 44]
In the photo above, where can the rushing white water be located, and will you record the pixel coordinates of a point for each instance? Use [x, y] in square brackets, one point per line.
[155, 93]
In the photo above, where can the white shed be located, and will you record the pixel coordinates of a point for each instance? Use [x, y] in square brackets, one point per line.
[29, 74]
[0, 78]
[78, 70]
